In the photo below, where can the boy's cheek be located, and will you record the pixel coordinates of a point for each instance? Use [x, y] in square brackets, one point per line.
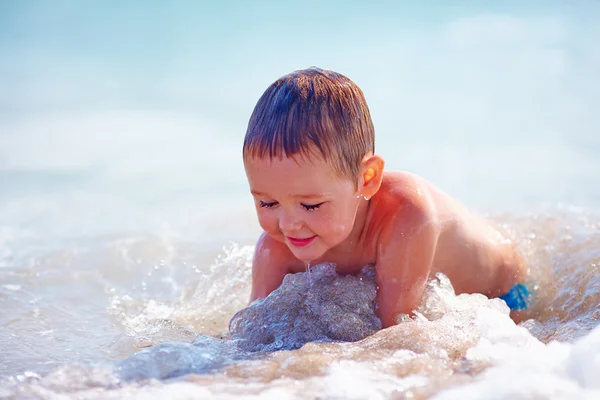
[269, 225]
[332, 223]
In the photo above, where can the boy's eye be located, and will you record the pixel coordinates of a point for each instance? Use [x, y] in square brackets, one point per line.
[310, 207]
[267, 204]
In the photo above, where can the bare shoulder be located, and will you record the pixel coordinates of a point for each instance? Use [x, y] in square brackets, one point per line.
[270, 252]
[407, 214]
[406, 197]
[424, 197]
[272, 261]
[401, 183]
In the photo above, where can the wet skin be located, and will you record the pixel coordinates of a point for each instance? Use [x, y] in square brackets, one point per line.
[396, 221]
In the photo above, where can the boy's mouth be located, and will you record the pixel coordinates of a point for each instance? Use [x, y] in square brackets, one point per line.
[301, 242]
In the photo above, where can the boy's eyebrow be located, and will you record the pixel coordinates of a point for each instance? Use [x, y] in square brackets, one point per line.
[311, 196]
[299, 196]
[255, 193]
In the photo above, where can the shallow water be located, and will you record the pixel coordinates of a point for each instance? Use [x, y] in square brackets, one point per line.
[100, 316]
[126, 227]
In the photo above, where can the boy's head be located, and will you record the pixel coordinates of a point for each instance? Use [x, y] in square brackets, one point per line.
[312, 112]
[308, 155]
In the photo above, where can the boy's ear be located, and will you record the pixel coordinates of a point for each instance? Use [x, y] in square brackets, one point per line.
[371, 175]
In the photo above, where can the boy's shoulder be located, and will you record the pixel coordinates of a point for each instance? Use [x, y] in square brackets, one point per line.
[402, 189]
[404, 204]
[273, 252]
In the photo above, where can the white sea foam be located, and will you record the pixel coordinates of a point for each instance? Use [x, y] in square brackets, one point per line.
[463, 346]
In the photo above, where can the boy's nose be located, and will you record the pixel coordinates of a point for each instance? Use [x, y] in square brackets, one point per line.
[289, 223]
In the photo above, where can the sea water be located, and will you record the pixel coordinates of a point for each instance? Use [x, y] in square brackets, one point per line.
[127, 229]
[77, 328]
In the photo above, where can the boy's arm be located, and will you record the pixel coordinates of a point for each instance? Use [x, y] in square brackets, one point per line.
[404, 262]
[269, 266]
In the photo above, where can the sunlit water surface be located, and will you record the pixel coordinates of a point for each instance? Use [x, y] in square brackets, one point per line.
[141, 315]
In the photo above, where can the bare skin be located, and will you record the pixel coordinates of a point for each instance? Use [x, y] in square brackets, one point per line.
[408, 229]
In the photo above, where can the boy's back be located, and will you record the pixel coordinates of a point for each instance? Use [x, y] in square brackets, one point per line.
[474, 255]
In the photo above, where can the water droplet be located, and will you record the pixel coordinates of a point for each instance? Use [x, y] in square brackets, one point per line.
[307, 263]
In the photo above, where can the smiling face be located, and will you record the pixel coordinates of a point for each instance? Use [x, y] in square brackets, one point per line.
[301, 202]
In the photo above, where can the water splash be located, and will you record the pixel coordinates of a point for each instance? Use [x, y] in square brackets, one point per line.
[463, 346]
[308, 307]
[169, 360]
[317, 306]
[308, 272]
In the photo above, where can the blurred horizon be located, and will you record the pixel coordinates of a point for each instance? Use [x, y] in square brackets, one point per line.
[145, 104]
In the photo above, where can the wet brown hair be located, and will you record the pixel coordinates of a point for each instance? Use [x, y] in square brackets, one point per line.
[308, 111]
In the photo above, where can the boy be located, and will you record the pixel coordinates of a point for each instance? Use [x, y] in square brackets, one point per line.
[321, 194]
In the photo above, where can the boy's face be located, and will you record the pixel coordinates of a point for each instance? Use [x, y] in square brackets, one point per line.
[302, 203]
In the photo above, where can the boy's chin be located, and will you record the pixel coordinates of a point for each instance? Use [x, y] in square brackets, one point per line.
[306, 255]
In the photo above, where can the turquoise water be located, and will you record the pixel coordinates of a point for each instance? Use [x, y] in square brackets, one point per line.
[122, 182]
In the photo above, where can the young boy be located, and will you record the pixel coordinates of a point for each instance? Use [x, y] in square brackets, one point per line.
[321, 194]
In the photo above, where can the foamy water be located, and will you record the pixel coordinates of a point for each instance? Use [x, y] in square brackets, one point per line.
[147, 317]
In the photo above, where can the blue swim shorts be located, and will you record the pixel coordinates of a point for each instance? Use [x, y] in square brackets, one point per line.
[517, 298]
